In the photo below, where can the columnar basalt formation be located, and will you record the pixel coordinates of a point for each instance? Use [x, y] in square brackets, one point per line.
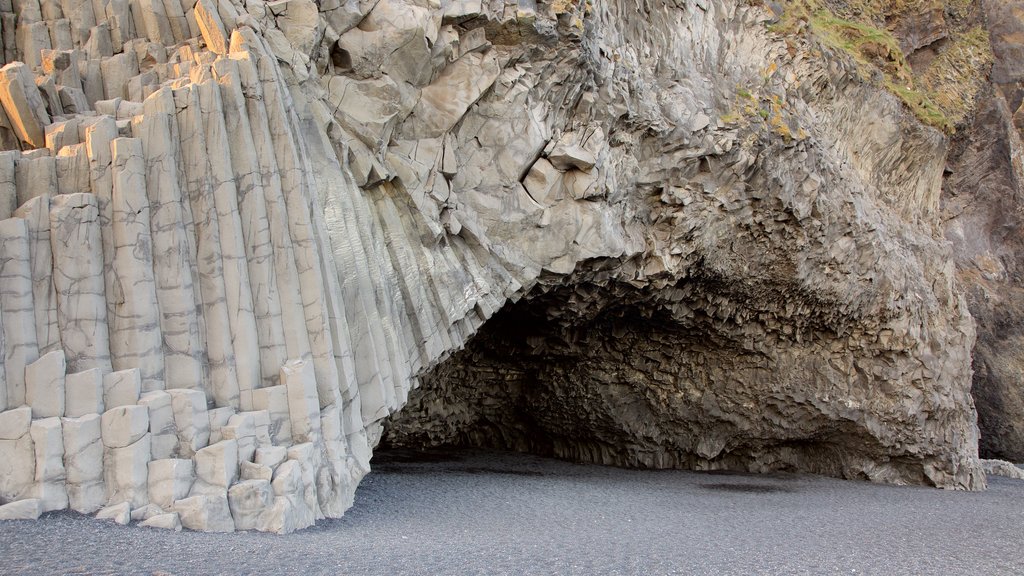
[239, 234]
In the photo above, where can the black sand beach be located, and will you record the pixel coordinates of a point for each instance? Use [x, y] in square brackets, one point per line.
[487, 513]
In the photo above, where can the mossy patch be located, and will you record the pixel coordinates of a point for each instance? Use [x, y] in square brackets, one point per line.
[942, 94]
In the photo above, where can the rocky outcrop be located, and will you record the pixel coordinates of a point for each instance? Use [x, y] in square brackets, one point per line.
[660, 235]
[982, 212]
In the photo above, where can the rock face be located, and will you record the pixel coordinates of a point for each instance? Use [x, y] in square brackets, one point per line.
[982, 211]
[242, 237]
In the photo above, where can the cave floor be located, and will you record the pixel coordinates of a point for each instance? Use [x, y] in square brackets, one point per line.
[471, 512]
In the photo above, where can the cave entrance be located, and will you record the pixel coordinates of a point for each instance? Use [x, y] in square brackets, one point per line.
[588, 373]
[612, 374]
[554, 375]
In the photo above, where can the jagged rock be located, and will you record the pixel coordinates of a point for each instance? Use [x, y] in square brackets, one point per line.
[290, 511]
[448, 97]
[210, 24]
[22, 104]
[545, 183]
[218, 420]
[242, 428]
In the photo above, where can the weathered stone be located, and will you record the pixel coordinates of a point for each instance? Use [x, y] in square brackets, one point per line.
[45, 385]
[164, 521]
[274, 401]
[84, 393]
[126, 473]
[191, 421]
[303, 403]
[120, 513]
[520, 207]
[19, 330]
[36, 213]
[241, 428]
[22, 103]
[170, 480]
[28, 509]
[217, 464]
[219, 419]
[447, 98]
[83, 463]
[48, 441]
[15, 423]
[146, 512]
[271, 456]
[81, 304]
[122, 388]
[289, 512]
[124, 425]
[210, 24]
[209, 513]
[249, 501]
[164, 433]
[17, 467]
[134, 317]
[252, 471]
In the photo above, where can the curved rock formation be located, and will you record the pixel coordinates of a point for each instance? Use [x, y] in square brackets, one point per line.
[240, 234]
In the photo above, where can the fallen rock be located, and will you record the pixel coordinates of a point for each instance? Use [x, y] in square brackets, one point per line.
[119, 513]
[28, 509]
[165, 521]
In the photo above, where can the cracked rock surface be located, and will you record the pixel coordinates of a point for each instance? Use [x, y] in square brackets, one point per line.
[242, 241]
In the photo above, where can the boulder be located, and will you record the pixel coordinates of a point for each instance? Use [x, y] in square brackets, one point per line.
[120, 513]
[170, 480]
[165, 521]
[28, 509]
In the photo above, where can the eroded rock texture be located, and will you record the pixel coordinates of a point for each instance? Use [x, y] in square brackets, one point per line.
[983, 219]
[239, 236]
[755, 291]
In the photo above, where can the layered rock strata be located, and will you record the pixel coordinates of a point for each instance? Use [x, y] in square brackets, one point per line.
[239, 233]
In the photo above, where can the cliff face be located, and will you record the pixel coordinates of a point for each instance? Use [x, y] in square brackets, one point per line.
[765, 288]
[244, 239]
[982, 218]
